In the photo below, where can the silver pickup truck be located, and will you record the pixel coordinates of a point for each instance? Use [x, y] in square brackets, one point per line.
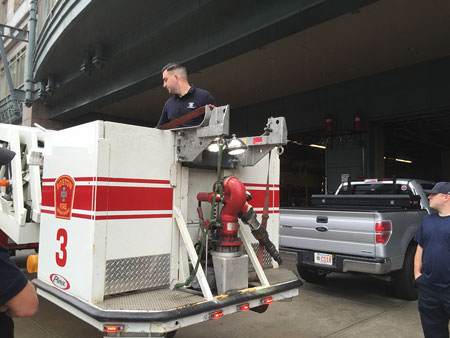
[366, 227]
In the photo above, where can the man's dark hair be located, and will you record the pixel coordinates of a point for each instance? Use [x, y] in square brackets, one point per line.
[181, 69]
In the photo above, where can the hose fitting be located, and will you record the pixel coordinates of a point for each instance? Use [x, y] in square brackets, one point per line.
[249, 218]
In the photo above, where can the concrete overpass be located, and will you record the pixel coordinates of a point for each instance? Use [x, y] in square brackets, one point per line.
[386, 60]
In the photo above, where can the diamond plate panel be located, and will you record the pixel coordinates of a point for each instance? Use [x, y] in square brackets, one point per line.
[165, 299]
[151, 300]
[136, 273]
[267, 259]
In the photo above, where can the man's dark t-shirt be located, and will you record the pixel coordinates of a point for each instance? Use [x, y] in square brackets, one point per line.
[434, 237]
[176, 106]
[12, 281]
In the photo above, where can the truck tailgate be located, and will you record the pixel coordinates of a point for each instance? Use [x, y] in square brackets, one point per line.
[329, 231]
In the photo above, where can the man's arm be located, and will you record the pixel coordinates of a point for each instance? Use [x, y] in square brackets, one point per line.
[163, 119]
[24, 304]
[418, 262]
[210, 100]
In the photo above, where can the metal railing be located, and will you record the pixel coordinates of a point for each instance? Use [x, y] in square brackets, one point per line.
[9, 112]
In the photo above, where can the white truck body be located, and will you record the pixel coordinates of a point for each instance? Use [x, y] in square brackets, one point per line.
[117, 204]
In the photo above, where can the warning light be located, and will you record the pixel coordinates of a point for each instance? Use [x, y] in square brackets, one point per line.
[32, 263]
[267, 300]
[243, 307]
[216, 315]
[112, 328]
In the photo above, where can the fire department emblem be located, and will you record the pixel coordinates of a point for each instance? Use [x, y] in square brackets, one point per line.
[64, 192]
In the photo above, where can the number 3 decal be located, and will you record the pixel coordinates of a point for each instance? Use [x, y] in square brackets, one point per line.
[61, 256]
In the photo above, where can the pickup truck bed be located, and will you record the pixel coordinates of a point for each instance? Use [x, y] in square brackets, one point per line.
[349, 232]
[361, 233]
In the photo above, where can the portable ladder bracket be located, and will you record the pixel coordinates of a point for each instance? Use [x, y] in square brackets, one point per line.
[254, 259]
[182, 226]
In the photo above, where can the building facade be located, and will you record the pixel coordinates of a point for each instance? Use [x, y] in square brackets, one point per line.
[384, 62]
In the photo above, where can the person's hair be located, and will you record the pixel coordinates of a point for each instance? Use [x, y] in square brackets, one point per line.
[177, 67]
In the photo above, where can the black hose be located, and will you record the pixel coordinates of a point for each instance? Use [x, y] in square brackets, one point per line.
[249, 218]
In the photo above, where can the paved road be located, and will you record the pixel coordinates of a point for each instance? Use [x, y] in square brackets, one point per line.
[342, 306]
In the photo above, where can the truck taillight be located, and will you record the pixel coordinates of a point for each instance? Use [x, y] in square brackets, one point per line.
[383, 231]
[243, 307]
[383, 226]
[112, 328]
[216, 315]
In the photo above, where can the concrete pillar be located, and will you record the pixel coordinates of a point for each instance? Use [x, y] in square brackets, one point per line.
[376, 150]
[39, 114]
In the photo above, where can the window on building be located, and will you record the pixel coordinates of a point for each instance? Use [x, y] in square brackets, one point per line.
[17, 4]
[44, 9]
[20, 76]
[3, 11]
[3, 84]
[17, 69]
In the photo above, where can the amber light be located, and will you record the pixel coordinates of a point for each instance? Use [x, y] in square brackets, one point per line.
[32, 263]
[112, 328]
[243, 307]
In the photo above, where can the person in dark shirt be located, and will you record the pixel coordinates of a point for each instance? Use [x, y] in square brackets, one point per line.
[432, 264]
[186, 97]
[17, 295]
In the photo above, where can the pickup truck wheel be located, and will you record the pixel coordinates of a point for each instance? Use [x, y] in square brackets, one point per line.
[310, 275]
[404, 285]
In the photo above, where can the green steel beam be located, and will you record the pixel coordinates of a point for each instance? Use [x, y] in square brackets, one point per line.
[14, 33]
[198, 33]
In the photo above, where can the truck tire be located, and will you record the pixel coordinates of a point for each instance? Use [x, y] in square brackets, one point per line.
[260, 309]
[404, 285]
[170, 334]
[310, 275]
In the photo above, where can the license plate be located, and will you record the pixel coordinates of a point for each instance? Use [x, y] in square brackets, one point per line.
[324, 259]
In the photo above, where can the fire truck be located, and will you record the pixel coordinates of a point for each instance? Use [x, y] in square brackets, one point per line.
[13, 247]
[144, 231]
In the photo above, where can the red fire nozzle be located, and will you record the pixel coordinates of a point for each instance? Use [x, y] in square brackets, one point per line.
[235, 198]
[235, 205]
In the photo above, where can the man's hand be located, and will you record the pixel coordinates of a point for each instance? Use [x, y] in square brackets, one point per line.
[24, 304]
[418, 262]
